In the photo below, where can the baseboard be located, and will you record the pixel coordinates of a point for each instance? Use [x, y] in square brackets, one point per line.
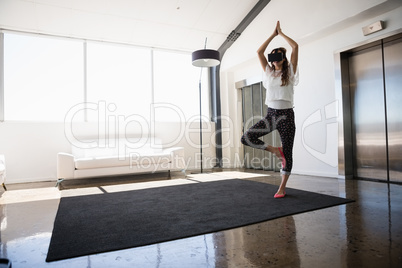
[345, 177]
[29, 180]
[314, 173]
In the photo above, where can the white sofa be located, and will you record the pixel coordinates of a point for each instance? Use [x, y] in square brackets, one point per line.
[97, 158]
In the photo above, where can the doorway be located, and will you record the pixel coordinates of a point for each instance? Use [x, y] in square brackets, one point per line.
[374, 75]
[254, 109]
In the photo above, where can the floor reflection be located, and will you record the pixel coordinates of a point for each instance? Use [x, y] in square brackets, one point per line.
[259, 245]
[366, 233]
[374, 229]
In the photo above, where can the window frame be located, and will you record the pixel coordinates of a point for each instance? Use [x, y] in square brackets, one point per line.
[206, 113]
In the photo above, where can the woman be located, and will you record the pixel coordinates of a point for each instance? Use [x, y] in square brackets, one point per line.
[280, 77]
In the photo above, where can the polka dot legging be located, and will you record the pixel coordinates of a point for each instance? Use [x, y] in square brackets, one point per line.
[276, 119]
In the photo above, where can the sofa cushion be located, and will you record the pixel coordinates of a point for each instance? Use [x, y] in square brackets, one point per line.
[133, 159]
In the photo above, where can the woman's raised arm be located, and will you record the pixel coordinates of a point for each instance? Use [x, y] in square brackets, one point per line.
[295, 47]
[263, 47]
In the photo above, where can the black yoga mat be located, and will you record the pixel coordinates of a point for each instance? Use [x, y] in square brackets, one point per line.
[112, 221]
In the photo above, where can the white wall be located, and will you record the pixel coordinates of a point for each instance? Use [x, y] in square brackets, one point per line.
[31, 148]
[320, 26]
[316, 106]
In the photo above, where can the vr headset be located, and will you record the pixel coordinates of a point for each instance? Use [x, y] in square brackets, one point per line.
[275, 56]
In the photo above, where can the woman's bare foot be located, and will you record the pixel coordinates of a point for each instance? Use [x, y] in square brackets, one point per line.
[280, 191]
[278, 152]
[274, 150]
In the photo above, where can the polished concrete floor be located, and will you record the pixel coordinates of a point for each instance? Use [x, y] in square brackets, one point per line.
[365, 233]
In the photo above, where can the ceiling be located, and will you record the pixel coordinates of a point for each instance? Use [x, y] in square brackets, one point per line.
[183, 24]
[174, 24]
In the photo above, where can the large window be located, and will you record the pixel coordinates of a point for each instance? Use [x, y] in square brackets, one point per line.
[177, 85]
[43, 77]
[119, 77]
[55, 79]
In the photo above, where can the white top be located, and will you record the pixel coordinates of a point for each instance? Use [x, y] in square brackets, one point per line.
[277, 96]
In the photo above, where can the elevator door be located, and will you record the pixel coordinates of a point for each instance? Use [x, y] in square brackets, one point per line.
[393, 92]
[254, 109]
[375, 91]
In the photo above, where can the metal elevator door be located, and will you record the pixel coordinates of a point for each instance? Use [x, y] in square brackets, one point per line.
[375, 72]
[254, 109]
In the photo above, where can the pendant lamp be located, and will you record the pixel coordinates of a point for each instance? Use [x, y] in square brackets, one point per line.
[206, 58]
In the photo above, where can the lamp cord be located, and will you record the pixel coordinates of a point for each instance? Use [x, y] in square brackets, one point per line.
[199, 88]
